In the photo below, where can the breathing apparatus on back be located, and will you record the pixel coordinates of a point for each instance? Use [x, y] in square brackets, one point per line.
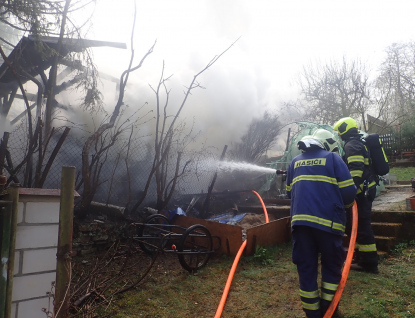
[378, 159]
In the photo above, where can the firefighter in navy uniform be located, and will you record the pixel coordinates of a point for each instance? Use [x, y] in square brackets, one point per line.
[319, 185]
[357, 159]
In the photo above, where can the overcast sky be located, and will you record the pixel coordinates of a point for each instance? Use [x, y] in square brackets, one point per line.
[276, 39]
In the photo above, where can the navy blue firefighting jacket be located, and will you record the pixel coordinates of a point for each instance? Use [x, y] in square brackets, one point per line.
[320, 186]
[358, 160]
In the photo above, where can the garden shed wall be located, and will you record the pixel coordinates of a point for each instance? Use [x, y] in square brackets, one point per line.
[35, 252]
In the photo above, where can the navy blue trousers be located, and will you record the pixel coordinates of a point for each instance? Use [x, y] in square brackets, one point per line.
[308, 244]
[365, 240]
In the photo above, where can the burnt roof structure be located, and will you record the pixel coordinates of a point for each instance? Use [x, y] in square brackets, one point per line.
[32, 56]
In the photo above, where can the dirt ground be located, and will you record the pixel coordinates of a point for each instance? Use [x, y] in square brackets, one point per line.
[253, 219]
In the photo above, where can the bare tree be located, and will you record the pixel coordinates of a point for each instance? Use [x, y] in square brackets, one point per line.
[260, 137]
[396, 83]
[36, 24]
[53, 73]
[90, 184]
[336, 90]
[167, 138]
[21, 75]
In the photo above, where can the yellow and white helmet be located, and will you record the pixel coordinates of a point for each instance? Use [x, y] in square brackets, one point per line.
[326, 138]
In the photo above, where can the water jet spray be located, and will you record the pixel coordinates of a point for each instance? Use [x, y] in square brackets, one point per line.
[228, 166]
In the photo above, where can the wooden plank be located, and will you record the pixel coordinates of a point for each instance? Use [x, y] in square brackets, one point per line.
[230, 235]
[268, 234]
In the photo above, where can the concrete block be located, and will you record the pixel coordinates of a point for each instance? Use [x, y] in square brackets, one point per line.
[35, 261]
[37, 236]
[14, 311]
[20, 210]
[33, 308]
[42, 212]
[16, 269]
[32, 286]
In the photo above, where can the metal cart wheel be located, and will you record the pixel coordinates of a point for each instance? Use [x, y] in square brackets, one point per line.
[195, 247]
[151, 233]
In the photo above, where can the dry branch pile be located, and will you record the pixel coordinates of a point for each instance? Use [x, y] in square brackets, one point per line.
[98, 278]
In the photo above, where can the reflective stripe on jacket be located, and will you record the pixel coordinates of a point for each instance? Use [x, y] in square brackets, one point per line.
[357, 159]
[320, 186]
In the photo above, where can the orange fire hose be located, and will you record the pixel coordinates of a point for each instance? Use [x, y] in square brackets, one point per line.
[263, 206]
[346, 267]
[235, 264]
[229, 281]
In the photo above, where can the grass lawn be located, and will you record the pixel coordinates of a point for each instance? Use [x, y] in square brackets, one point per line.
[403, 173]
[263, 286]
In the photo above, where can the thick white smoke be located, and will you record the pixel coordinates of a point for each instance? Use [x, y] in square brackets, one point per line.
[236, 90]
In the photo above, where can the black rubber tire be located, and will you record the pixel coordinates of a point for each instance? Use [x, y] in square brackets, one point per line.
[150, 234]
[195, 248]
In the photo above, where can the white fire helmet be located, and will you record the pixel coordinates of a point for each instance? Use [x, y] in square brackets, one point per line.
[309, 141]
[326, 138]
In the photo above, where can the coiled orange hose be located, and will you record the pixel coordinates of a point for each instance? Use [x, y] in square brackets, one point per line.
[346, 267]
[235, 264]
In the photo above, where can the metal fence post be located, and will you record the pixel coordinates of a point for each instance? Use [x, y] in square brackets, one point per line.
[63, 268]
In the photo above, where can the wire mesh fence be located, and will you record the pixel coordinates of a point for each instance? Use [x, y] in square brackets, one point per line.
[123, 169]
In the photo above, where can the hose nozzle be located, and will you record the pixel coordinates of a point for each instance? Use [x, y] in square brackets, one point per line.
[281, 171]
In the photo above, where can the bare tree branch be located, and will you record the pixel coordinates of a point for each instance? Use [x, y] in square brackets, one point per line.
[89, 185]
